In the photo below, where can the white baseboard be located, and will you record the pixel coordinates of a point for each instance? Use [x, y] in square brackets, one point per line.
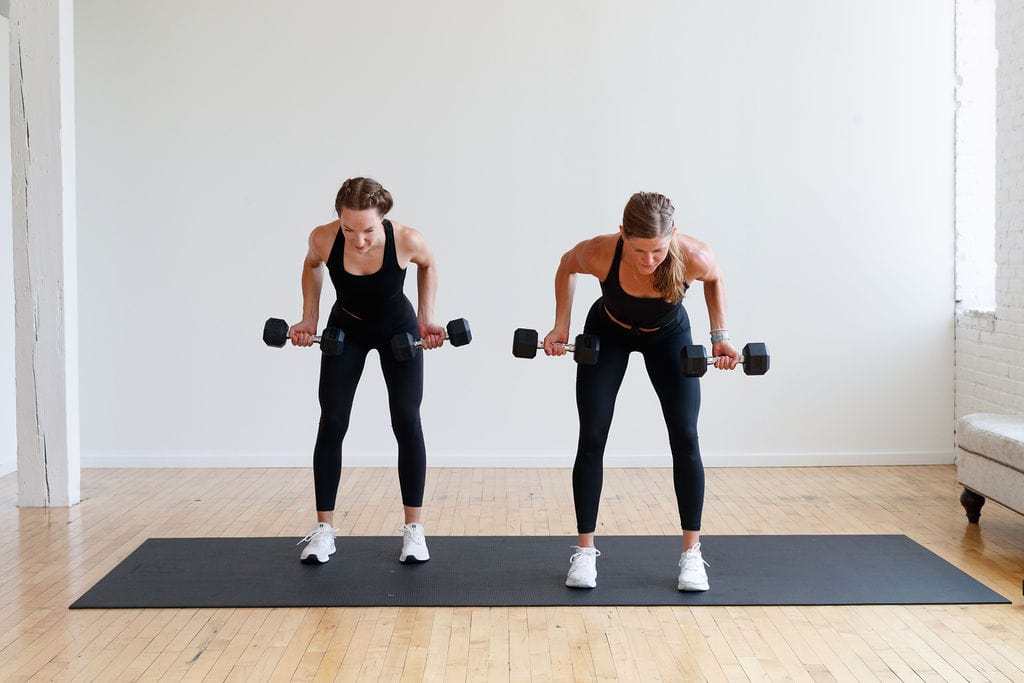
[520, 461]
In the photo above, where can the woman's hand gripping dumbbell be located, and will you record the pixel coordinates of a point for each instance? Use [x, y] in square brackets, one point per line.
[525, 343]
[276, 333]
[754, 357]
[403, 346]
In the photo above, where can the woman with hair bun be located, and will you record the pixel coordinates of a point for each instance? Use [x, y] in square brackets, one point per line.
[366, 256]
[645, 269]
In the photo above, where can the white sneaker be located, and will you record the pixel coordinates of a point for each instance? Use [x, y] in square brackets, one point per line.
[583, 568]
[692, 576]
[414, 544]
[320, 546]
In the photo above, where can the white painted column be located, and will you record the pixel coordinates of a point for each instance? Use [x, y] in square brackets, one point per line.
[45, 252]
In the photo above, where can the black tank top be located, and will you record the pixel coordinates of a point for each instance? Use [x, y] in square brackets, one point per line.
[635, 311]
[373, 295]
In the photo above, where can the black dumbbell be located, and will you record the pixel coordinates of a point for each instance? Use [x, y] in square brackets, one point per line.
[403, 346]
[754, 358]
[586, 349]
[275, 333]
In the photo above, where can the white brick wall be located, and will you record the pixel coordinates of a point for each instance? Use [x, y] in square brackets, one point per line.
[974, 185]
[990, 346]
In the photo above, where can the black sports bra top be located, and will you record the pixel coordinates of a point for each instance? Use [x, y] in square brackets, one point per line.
[635, 311]
[373, 295]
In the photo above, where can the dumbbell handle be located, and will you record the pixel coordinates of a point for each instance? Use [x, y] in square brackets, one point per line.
[315, 338]
[712, 359]
[568, 347]
[419, 342]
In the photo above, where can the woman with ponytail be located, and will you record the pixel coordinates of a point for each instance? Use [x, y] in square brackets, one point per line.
[366, 256]
[645, 269]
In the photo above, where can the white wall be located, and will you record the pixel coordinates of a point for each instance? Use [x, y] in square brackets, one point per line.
[809, 143]
[990, 345]
[8, 431]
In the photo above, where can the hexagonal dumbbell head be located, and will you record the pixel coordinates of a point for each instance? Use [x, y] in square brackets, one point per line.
[524, 343]
[587, 349]
[332, 340]
[755, 358]
[403, 346]
[275, 332]
[458, 332]
[695, 360]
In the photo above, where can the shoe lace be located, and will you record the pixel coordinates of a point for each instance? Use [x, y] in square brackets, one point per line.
[319, 533]
[415, 532]
[692, 559]
[583, 552]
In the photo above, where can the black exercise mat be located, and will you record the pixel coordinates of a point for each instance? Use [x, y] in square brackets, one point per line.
[530, 570]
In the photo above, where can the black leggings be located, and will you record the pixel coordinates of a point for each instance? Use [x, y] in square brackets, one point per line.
[596, 389]
[339, 376]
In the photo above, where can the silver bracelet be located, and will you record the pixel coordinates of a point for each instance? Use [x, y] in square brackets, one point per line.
[719, 336]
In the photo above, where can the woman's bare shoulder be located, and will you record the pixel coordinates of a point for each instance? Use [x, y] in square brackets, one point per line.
[697, 255]
[594, 255]
[321, 239]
